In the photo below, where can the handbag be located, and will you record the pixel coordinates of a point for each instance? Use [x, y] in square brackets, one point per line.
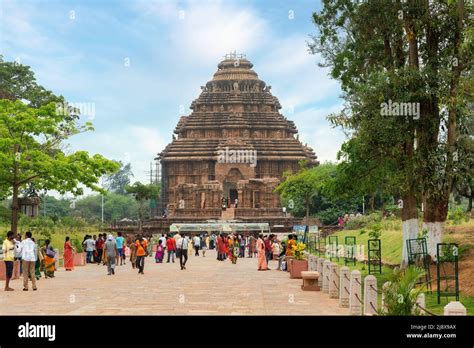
[50, 253]
[180, 250]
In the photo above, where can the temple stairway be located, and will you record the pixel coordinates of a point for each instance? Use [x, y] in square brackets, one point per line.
[228, 214]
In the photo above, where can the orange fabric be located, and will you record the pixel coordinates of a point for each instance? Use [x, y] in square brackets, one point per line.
[262, 261]
[141, 247]
[290, 247]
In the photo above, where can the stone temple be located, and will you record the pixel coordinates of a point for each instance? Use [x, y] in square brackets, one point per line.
[235, 144]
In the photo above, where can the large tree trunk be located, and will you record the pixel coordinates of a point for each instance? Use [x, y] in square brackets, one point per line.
[436, 210]
[15, 210]
[409, 223]
[434, 218]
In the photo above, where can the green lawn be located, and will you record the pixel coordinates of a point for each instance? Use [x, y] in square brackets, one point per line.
[391, 239]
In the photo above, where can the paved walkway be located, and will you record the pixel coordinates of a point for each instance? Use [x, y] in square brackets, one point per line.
[207, 287]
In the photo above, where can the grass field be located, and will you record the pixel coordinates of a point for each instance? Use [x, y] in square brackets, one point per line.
[391, 239]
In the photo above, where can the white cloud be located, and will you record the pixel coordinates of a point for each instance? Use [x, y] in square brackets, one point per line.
[316, 131]
[137, 108]
[132, 144]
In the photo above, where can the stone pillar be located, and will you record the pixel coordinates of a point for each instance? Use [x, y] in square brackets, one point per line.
[420, 301]
[320, 269]
[370, 295]
[310, 263]
[344, 286]
[333, 281]
[355, 306]
[326, 274]
[455, 308]
[384, 288]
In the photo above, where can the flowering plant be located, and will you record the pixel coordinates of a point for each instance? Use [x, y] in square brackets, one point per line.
[298, 251]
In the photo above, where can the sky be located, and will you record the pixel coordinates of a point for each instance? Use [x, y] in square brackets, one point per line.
[139, 64]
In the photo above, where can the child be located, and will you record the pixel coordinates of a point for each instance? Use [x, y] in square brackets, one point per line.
[159, 252]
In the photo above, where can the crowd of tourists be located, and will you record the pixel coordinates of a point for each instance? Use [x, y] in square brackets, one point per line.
[34, 259]
[107, 250]
[111, 251]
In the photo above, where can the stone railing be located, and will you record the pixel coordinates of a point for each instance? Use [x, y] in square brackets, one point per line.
[196, 212]
[345, 285]
[245, 212]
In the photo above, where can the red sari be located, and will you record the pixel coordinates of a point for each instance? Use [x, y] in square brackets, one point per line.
[68, 257]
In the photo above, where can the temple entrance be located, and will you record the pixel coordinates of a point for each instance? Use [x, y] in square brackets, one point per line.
[233, 194]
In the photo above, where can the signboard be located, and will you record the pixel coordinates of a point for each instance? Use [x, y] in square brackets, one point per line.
[313, 229]
[299, 228]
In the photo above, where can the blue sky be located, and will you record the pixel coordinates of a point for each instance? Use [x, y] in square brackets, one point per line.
[80, 48]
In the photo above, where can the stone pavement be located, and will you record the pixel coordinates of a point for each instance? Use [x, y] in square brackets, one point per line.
[207, 287]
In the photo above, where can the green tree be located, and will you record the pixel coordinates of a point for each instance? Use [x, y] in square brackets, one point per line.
[305, 184]
[32, 135]
[117, 181]
[406, 52]
[142, 193]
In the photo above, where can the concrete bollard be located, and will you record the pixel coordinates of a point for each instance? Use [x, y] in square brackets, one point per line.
[333, 281]
[326, 274]
[384, 288]
[370, 295]
[355, 305]
[344, 285]
[455, 308]
[320, 269]
[420, 301]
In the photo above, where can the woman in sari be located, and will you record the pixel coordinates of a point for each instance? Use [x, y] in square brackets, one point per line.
[230, 247]
[159, 252]
[234, 249]
[262, 261]
[133, 253]
[68, 255]
[48, 260]
[226, 243]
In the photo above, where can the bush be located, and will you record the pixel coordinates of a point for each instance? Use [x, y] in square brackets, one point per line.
[375, 231]
[358, 222]
[457, 216]
[401, 294]
[329, 216]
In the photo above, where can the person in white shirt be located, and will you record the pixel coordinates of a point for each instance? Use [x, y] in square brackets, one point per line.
[197, 245]
[28, 257]
[163, 242]
[182, 250]
[89, 244]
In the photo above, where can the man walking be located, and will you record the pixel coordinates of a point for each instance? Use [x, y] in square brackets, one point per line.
[99, 245]
[242, 246]
[8, 257]
[89, 244]
[28, 257]
[119, 241]
[171, 247]
[268, 247]
[197, 244]
[142, 250]
[111, 251]
[182, 247]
